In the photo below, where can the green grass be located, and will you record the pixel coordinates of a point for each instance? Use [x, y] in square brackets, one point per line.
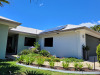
[6, 66]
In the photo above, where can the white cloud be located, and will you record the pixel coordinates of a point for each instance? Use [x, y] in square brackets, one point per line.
[89, 24]
[41, 4]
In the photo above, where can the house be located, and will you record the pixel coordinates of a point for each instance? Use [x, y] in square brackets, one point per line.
[62, 41]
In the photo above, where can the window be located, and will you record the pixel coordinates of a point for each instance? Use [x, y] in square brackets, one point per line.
[29, 41]
[48, 42]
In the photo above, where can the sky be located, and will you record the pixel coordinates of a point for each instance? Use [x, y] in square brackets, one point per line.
[46, 14]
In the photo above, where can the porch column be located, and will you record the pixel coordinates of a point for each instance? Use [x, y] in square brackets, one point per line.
[3, 40]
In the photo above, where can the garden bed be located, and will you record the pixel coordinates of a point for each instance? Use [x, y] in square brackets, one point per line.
[68, 69]
[60, 69]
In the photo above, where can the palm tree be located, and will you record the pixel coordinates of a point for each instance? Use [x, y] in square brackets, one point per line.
[96, 28]
[2, 2]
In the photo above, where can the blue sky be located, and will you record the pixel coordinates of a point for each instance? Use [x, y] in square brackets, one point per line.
[46, 14]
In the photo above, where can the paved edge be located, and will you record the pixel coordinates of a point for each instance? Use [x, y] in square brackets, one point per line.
[77, 72]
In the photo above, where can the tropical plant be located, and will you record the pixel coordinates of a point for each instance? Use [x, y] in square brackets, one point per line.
[40, 61]
[96, 28]
[80, 66]
[37, 45]
[98, 53]
[51, 63]
[45, 53]
[24, 52]
[3, 1]
[21, 58]
[89, 66]
[76, 65]
[65, 65]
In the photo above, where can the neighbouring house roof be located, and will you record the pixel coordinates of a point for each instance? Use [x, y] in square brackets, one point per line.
[9, 22]
[21, 29]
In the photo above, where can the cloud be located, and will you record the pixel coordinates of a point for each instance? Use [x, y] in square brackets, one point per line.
[41, 4]
[89, 24]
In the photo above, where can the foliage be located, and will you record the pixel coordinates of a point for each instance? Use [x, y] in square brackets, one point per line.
[21, 58]
[24, 52]
[36, 73]
[40, 61]
[65, 65]
[76, 65]
[80, 66]
[72, 60]
[3, 1]
[96, 28]
[51, 63]
[52, 58]
[86, 48]
[29, 59]
[89, 66]
[45, 53]
[34, 50]
[98, 52]
[37, 45]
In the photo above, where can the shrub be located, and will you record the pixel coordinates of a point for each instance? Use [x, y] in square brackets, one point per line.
[51, 63]
[80, 66]
[76, 65]
[44, 53]
[24, 52]
[65, 65]
[40, 61]
[37, 45]
[89, 66]
[21, 58]
[29, 60]
[34, 50]
[72, 60]
[98, 53]
[36, 73]
[56, 59]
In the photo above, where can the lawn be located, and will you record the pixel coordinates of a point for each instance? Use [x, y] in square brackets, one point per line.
[6, 66]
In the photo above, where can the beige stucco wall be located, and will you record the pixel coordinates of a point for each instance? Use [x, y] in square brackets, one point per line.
[3, 40]
[21, 40]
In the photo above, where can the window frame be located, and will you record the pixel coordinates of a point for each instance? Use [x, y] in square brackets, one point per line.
[29, 38]
[45, 45]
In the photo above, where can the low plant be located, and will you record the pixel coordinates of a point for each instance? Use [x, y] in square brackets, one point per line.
[56, 59]
[45, 53]
[72, 60]
[37, 45]
[89, 66]
[29, 60]
[51, 63]
[80, 66]
[36, 73]
[24, 52]
[40, 61]
[76, 65]
[65, 65]
[21, 58]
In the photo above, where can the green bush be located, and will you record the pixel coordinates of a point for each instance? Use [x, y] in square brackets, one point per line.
[28, 59]
[72, 60]
[37, 45]
[80, 66]
[89, 66]
[56, 59]
[24, 52]
[40, 61]
[51, 63]
[76, 65]
[98, 52]
[44, 53]
[65, 65]
[36, 73]
[21, 58]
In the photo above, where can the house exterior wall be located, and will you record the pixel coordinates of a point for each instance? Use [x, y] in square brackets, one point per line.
[3, 40]
[65, 44]
[92, 42]
[21, 40]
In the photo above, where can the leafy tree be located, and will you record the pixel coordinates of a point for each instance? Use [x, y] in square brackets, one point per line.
[3, 1]
[96, 28]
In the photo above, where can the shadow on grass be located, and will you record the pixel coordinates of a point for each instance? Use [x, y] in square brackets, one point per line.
[6, 68]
